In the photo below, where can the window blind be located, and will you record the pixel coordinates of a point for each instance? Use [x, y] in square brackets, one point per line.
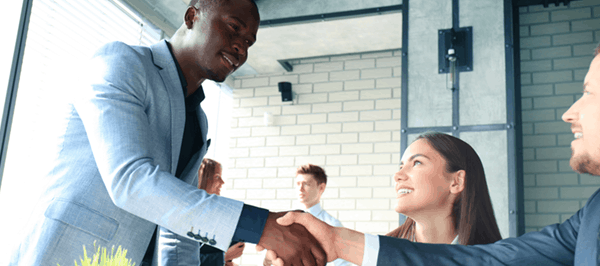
[61, 33]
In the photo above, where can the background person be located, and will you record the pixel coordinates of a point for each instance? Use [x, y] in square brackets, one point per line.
[310, 184]
[210, 179]
[172, 245]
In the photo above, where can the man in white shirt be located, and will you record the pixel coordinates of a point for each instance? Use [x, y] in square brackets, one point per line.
[310, 183]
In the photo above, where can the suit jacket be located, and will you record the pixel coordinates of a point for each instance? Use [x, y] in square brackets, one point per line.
[574, 242]
[113, 179]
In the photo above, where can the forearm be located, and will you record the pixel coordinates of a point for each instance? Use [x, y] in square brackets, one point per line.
[349, 244]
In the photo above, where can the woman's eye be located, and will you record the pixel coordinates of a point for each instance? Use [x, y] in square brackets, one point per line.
[417, 162]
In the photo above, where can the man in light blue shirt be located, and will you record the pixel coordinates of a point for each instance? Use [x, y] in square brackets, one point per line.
[310, 184]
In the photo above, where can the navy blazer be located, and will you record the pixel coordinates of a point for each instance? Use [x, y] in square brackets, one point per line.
[574, 242]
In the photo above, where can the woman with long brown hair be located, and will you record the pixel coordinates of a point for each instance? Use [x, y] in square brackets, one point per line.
[209, 179]
[441, 188]
[172, 245]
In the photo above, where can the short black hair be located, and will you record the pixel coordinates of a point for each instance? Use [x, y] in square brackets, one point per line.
[203, 4]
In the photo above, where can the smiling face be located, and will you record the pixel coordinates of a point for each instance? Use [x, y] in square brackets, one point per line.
[309, 191]
[213, 185]
[218, 39]
[422, 183]
[584, 116]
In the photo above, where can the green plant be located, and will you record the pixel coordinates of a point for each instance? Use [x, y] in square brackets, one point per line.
[101, 258]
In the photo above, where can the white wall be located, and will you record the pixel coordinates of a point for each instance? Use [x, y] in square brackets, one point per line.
[345, 118]
[557, 45]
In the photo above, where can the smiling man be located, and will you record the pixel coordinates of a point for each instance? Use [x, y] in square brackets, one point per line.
[573, 242]
[131, 145]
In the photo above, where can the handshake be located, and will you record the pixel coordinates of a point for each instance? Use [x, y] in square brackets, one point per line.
[297, 238]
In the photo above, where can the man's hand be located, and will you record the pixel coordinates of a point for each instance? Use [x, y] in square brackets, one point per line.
[267, 261]
[270, 258]
[323, 232]
[338, 242]
[292, 243]
[235, 251]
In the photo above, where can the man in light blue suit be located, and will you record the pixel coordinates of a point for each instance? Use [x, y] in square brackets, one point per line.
[573, 242]
[131, 144]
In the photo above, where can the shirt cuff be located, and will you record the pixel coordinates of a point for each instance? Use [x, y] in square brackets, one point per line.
[251, 224]
[371, 251]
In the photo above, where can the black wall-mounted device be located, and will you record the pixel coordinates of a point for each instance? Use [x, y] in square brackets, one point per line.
[286, 91]
[461, 40]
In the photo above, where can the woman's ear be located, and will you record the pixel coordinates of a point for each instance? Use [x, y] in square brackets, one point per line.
[458, 182]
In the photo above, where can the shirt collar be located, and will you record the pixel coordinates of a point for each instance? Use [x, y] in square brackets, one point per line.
[193, 100]
[315, 210]
[455, 241]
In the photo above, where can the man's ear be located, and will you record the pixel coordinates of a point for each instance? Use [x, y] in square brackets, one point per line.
[322, 188]
[189, 16]
[458, 182]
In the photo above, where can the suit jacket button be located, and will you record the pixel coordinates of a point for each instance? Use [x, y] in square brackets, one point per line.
[204, 239]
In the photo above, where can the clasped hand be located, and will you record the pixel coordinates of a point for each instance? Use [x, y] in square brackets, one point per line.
[298, 234]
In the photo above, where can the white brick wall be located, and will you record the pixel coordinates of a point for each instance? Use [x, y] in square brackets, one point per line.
[344, 117]
[556, 49]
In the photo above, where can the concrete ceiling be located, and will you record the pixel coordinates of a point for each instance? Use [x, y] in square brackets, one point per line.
[344, 36]
[307, 38]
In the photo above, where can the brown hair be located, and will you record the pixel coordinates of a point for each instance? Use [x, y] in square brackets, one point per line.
[317, 172]
[597, 50]
[206, 171]
[472, 212]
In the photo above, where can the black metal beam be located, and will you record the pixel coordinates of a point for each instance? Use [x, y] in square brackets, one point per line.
[545, 3]
[13, 83]
[456, 85]
[333, 15]
[286, 65]
[457, 130]
[516, 205]
[404, 89]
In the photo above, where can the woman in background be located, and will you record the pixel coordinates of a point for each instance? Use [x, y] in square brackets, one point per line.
[209, 179]
[179, 250]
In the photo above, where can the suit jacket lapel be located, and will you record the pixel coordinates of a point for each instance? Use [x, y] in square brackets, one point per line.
[203, 122]
[168, 72]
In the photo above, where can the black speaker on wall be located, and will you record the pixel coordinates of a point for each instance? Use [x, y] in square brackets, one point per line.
[286, 91]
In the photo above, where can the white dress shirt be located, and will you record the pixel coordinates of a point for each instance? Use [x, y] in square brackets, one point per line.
[371, 251]
[322, 215]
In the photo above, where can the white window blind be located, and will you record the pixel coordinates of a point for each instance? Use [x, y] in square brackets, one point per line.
[61, 33]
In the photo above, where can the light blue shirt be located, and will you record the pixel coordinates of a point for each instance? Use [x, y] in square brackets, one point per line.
[317, 211]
